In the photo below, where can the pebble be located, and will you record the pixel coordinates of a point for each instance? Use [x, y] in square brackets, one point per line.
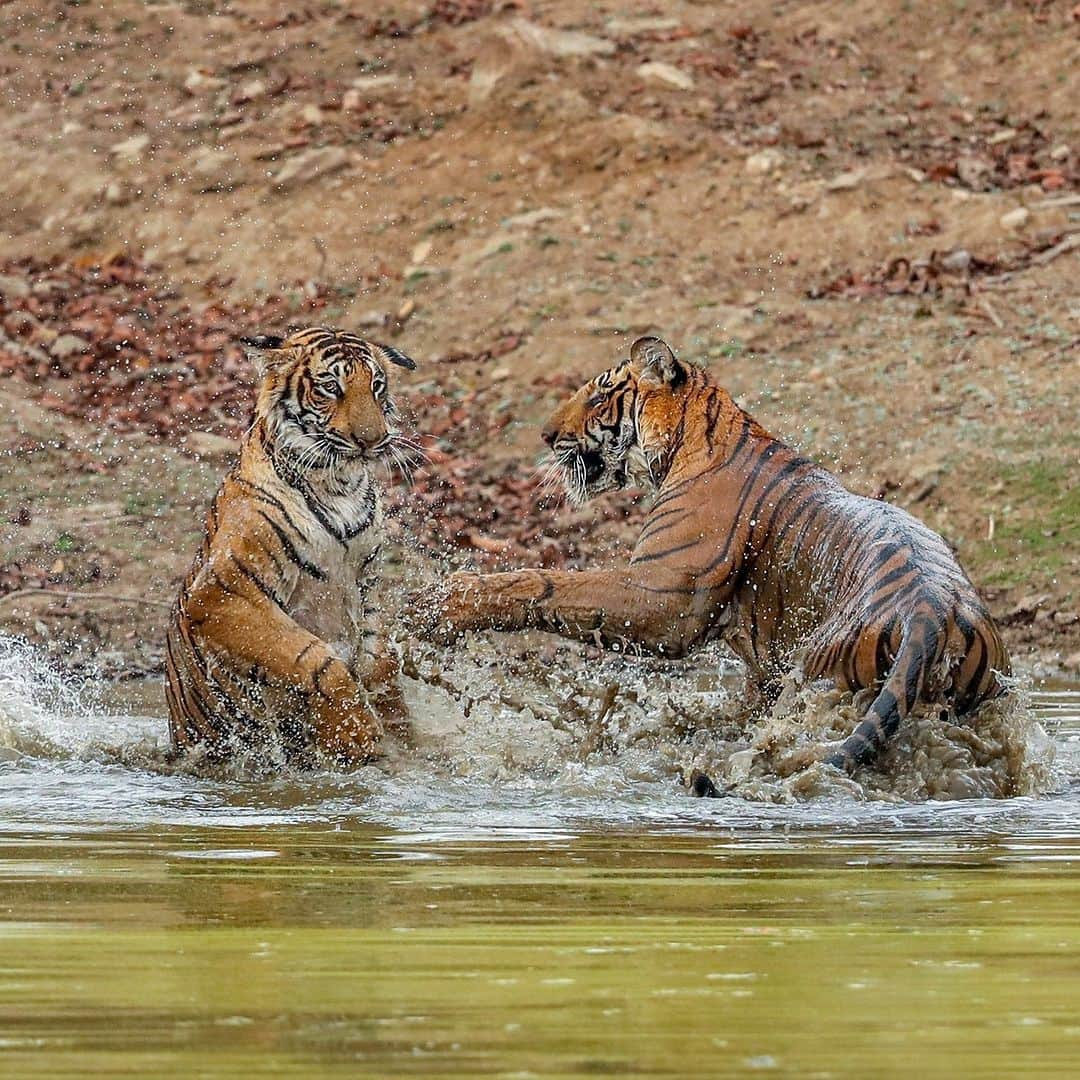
[130, 150]
[354, 101]
[371, 85]
[309, 166]
[250, 91]
[215, 170]
[1015, 219]
[656, 71]
[845, 181]
[199, 82]
[66, 345]
[14, 287]
[957, 261]
[420, 252]
[561, 42]
[763, 162]
[116, 193]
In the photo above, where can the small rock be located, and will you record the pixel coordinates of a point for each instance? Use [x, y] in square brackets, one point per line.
[804, 134]
[957, 261]
[1072, 663]
[116, 193]
[66, 345]
[199, 81]
[1024, 610]
[1059, 153]
[974, 172]
[311, 115]
[532, 217]
[642, 25]
[763, 162]
[1066, 618]
[561, 42]
[1003, 136]
[216, 170]
[656, 71]
[373, 85]
[250, 91]
[130, 150]
[309, 166]
[14, 287]
[845, 181]
[1015, 219]
[354, 101]
[420, 252]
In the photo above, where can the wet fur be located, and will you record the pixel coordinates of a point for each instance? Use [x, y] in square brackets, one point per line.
[272, 641]
[749, 541]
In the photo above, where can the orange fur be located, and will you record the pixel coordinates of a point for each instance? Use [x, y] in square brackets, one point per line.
[749, 541]
[271, 642]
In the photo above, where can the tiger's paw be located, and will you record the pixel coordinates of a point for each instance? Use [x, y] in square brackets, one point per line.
[702, 787]
[443, 611]
[345, 729]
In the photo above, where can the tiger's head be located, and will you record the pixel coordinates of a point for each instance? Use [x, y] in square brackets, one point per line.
[324, 397]
[617, 429]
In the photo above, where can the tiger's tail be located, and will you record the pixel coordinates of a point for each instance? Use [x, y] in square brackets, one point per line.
[921, 647]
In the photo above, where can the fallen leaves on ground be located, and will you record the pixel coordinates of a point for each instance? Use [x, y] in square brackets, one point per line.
[109, 341]
[958, 268]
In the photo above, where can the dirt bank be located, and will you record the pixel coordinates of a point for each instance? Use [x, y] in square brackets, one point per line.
[864, 221]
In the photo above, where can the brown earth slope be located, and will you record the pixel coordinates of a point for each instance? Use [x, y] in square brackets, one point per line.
[865, 217]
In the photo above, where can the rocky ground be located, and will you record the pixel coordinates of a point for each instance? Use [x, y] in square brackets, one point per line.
[864, 217]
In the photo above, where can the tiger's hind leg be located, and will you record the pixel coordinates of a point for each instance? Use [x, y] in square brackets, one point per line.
[761, 691]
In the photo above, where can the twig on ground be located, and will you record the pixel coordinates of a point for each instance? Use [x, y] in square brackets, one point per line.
[1066, 245]
[991, 314]
[68, 594]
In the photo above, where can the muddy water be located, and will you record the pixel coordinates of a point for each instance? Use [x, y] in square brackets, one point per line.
[525, 891]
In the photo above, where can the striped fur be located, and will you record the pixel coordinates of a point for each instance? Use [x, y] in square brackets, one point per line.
[271, 642]
[749, 541]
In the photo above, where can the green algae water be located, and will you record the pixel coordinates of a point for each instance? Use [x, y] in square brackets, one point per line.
[418, 922]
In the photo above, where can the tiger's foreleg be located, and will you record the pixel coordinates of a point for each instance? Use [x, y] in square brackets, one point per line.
[664, 615]
[253, 630]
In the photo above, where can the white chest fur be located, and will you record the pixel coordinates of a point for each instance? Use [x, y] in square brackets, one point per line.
[343, 531]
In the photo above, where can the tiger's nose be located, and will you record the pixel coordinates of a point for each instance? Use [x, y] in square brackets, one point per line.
[549, 435]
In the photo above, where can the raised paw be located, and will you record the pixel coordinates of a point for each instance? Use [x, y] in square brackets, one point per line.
[443, 611]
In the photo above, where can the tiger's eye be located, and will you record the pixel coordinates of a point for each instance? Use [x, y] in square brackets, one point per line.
[596, 399]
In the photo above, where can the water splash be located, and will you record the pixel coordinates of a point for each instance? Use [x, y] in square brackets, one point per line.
[507, 727]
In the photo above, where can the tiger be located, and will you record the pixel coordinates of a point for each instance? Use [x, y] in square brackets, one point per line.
[748, 541]
[271, 641]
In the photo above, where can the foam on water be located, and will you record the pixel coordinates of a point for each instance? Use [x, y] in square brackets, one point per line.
[511, 737]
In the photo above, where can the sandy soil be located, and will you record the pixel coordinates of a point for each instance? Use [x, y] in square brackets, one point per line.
[862, 216]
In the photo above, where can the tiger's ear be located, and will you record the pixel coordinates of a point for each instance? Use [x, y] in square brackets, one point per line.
[656, 361]
[265, 352]
[396, 356]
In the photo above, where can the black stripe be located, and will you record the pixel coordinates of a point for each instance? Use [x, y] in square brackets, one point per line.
[268, 591]
[290, 550]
